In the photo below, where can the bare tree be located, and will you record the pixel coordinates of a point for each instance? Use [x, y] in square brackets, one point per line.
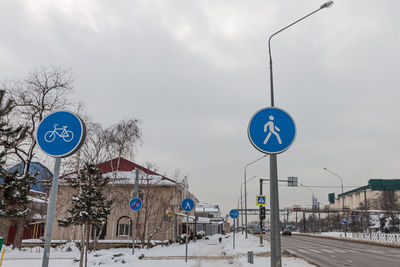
[94, 149]
[153, 193]
[44, 90]
[124, 137]
[389, 202]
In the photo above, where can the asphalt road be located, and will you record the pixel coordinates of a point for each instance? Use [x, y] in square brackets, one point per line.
[328, 252]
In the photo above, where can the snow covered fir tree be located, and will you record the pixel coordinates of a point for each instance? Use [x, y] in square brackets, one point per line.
[90, 206]
[14, 188]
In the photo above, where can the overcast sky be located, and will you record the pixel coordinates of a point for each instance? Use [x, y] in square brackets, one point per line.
[195, 72]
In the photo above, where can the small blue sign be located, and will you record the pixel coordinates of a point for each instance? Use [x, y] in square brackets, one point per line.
[187, 204]
[344, 220]
[271, 130]
[135, 204]
[61, 134]
[234, 213]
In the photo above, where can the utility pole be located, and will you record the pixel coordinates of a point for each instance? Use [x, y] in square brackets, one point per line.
[135, 193]
[319, 218]
[366, 217]
[304, 221]
[241, 207]
[261, 218]
[287, 218]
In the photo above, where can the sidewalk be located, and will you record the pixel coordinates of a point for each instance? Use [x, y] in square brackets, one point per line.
[203, 253]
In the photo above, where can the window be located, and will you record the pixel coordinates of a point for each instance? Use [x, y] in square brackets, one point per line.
[124, 226]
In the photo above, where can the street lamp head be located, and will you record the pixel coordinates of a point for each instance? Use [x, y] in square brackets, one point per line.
[327, 4]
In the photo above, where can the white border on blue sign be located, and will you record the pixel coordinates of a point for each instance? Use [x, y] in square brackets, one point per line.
[267, 152]
[78, 145]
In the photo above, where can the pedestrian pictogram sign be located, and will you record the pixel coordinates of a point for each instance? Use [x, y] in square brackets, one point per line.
[234, 214]
[187, 204]
[271, 130]
[261, 200]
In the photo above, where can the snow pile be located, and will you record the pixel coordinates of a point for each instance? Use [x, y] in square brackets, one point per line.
[211, 252]
[69, 247]
[105, 258]
[243, 245]
[266, 262]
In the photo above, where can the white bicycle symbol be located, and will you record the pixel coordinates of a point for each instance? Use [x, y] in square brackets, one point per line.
[62, 132]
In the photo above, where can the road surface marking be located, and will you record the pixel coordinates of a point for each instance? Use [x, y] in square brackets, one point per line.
[341, 251]
[290, 251]
[375, 251]
[349, 261]
[329, 251]
[302, 250]
[313, 250]
[333, 256]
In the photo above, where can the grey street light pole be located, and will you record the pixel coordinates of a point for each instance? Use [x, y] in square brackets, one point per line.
[241, 200]
[245, 189]
[275, 233]
[341, 183]
[312, 203]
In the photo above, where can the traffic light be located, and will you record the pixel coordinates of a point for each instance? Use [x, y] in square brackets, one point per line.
[262, 213]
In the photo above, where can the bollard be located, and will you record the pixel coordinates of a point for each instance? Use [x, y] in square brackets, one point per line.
[250, 257]
[2, 255]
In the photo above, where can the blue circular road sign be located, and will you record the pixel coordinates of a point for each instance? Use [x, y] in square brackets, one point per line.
[61, 134]
[271, 130]
[187, 204]
[135, 204]
[234, 213]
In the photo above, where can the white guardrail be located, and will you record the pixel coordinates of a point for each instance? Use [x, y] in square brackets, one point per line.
[382, 237]
[390, 238]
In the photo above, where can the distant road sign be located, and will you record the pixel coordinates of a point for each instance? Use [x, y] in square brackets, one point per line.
[135, 204]
[261, 200]
[60, 134]
[234, 213]
[344, 220]
[292, 181]
[271, 130]
[187, 204]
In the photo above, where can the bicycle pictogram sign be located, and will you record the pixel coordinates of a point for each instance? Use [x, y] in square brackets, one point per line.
[62, 132]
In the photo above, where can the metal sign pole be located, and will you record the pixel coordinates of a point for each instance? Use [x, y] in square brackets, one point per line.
[134, 216]
[187, 226]
[234, 230]
[71, 140]
[275, 224]
[261, 219]
[50, 213]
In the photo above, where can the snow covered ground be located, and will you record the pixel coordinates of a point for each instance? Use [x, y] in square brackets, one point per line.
[203, 253]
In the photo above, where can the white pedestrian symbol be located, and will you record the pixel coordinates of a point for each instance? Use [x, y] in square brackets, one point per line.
[188, 207]
[270, 126]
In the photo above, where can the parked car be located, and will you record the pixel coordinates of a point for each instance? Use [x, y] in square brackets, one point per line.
[256, 231]
[286, 232]
[250, 230]
[239, 229]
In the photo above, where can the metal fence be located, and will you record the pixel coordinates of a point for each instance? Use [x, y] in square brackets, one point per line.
[390, 238]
